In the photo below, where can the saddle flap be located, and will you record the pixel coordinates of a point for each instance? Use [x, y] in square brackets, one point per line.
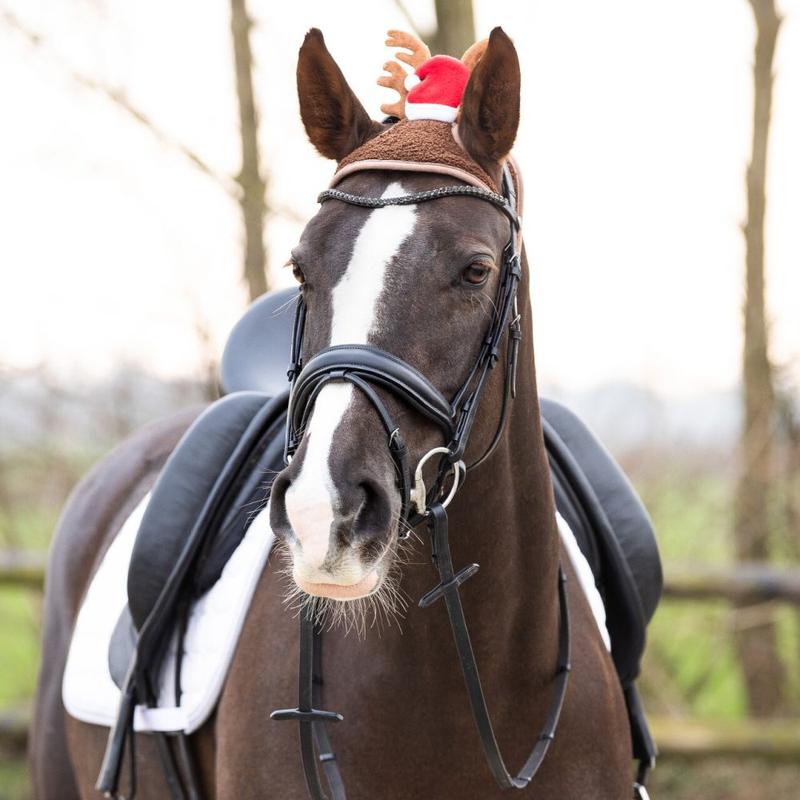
[182, 488]
[612, 527]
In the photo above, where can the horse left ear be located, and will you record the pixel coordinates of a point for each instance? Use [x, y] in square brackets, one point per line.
[334, 119]
[489, 115]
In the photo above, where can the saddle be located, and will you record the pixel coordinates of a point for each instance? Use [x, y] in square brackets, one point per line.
[221, 471]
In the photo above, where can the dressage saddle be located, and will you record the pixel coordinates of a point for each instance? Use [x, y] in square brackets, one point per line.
[219, 473]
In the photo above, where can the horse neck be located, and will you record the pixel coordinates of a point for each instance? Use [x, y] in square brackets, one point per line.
[504, 520]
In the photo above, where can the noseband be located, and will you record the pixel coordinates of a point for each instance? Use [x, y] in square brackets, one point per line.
[369, 368]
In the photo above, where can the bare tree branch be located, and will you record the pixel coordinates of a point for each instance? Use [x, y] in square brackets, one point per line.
[757, 646]
[253, 197]
[455, 30]
[248, 187]
[120, 99]
[455, 26]
[403, 9]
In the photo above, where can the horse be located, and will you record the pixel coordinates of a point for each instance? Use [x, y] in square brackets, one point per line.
[418, 281]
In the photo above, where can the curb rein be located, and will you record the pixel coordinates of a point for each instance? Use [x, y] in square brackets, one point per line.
[366, 366]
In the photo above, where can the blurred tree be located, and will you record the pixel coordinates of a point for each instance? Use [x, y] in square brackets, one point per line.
[756, 643]
[248, 187]
[790, 429]
[788, 482]
[254, 188]
[455, 26]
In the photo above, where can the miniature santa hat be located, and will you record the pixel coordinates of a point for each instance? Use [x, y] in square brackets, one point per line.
[436, 88]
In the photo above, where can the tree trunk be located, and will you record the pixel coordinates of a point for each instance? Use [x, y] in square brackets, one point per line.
[455, 30]
[252, 183]
[756, 644]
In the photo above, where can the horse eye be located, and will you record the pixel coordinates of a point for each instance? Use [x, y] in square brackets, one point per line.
[298, 273]
[475, 274]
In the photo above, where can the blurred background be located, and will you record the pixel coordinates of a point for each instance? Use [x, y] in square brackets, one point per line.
[154, 175]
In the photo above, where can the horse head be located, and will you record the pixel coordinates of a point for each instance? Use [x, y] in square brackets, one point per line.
[417, 281]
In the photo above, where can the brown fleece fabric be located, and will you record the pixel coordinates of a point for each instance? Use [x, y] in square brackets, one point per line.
[425, 141]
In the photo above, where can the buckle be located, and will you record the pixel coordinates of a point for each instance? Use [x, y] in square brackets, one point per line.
[418, 496]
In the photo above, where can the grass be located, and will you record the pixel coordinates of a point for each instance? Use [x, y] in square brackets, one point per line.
[14, 784]
[723, 779]
[27, 518]
[19, 645]
[690, 666]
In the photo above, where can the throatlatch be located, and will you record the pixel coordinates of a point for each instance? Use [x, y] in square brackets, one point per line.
[366, 366]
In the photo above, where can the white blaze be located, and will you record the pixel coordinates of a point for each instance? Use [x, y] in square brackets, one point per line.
[312, 497]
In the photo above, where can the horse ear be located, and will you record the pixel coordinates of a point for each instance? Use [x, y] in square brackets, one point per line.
[334, 119]
[489, 115]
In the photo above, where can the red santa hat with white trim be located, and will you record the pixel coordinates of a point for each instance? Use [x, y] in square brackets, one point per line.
[435, 89]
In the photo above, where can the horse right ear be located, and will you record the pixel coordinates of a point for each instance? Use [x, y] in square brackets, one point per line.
[334, 119]
[490, 107]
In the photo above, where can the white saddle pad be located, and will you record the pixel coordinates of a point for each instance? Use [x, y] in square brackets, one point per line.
[215, 623]
[585, 577]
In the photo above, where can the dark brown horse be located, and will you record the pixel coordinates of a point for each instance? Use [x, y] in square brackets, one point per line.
[417, 281]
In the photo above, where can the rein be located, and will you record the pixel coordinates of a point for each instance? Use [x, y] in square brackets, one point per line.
[366, 367]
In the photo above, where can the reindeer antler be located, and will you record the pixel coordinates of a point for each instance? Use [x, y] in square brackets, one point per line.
[394, 80]
[396, 75]
[474, 54]
[419, 50]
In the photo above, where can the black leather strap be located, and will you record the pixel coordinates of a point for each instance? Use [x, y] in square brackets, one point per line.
[325, 752]
[311, 720]
[448, 587]
[374, 365]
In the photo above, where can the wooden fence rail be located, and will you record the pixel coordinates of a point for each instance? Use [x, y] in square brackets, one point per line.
[22, 568]
[14, 726]
[774, 740]
[771, 740]
[677, 738]
[735, 583]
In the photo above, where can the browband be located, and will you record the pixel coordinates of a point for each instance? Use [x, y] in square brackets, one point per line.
[433, 168]
[422, 197]
[398, 165]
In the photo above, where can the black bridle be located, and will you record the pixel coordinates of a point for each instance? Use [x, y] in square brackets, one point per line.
[367, 368]
[364, 365]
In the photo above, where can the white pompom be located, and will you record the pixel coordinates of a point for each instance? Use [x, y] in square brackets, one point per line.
[411, 81]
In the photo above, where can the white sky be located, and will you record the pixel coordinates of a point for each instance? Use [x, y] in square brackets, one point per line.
[634, 141]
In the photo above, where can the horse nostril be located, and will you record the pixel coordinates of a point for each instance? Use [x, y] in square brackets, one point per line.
[279, 488]
[362, 514]
[373, 515]
[278, 515]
